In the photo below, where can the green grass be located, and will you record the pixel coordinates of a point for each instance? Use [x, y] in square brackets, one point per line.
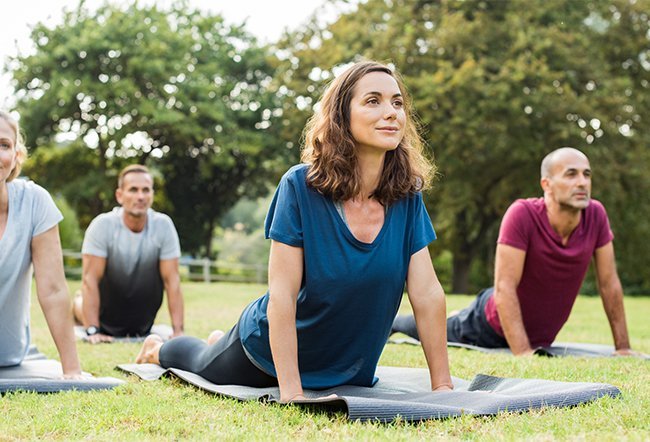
[169, 410]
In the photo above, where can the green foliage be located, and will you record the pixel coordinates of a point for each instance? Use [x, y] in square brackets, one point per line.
[69, 231]
[71, 172]
[170, 410]
[248, 214]
[497, 85]
[241, 236]
[238, 246]
[442, 262]
[174, 88]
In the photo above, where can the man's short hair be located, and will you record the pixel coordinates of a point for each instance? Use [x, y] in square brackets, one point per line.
[133, 168]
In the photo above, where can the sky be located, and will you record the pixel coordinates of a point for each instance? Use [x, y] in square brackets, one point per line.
[266, 19]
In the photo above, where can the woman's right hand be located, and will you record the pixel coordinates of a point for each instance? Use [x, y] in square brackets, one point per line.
[300, 397]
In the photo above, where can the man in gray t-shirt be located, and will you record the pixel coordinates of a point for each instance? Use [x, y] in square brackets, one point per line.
[129, 256]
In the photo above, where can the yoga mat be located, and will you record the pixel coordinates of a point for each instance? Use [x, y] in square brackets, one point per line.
[558, 349]
[42, 375]
[163, 330]
[404, 393]
[34, 354]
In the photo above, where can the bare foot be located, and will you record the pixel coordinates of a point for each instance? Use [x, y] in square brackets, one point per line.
[215, 336]
[149, 351]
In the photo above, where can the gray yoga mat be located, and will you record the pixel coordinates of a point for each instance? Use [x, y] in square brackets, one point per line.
[558, 349]
[404, 393]
[163, 330]
[42, 375]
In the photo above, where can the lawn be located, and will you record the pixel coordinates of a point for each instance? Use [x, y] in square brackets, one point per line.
[169, 410]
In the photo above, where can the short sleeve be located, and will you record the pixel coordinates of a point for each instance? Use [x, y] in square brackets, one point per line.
[604, 232]
[44, 212]
[423, 232]
[283, 221]
[95, 240]
[170, 244]
[515, 226]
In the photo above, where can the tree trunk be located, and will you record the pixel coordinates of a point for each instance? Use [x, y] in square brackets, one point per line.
[462, 255]
[460, 273]
[208, 239]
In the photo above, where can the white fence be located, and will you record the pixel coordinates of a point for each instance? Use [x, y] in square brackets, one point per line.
[191, 269]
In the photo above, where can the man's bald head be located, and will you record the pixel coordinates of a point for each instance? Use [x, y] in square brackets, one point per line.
[552, 159]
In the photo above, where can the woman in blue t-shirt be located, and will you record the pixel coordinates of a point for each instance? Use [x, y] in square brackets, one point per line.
[29, 237]
[348, 230]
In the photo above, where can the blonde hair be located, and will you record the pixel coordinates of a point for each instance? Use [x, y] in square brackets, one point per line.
[19, 144]
[330, 149]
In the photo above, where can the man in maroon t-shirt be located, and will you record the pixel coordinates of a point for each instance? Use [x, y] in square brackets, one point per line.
[543, 252]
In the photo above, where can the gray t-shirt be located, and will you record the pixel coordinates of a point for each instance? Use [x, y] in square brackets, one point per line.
[31, 212]
[131, 290]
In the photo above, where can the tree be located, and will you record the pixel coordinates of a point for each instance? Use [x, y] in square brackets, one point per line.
[498, 84]
[69, 231]
[176, 89]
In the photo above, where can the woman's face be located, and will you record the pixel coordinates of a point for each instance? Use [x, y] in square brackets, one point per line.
[7, 150]
[377, 116]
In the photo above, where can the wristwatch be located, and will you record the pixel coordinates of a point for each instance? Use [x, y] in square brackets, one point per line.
[92, 330]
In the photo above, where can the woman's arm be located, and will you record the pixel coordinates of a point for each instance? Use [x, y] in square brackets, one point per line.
[285, 277]
[53, 297]
[428, 301]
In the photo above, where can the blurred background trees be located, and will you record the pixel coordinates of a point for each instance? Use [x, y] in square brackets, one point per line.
[497, 85]
[176, 89]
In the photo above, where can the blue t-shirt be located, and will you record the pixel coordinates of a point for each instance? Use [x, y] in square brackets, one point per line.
[350, 291]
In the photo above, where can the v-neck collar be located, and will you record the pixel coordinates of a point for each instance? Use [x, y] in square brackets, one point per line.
[348, 233]
[556, 236]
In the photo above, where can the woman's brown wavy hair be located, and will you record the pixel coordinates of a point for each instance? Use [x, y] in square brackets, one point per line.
[330, 149]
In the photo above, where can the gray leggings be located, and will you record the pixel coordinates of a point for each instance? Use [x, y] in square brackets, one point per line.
[223, 363]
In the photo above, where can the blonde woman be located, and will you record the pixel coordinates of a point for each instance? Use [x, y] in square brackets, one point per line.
[29, 236]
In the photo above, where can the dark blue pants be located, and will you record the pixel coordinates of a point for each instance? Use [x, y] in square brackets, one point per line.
[469, 326]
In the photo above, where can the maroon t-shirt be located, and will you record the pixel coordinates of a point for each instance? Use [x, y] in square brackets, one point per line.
[553, 273]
